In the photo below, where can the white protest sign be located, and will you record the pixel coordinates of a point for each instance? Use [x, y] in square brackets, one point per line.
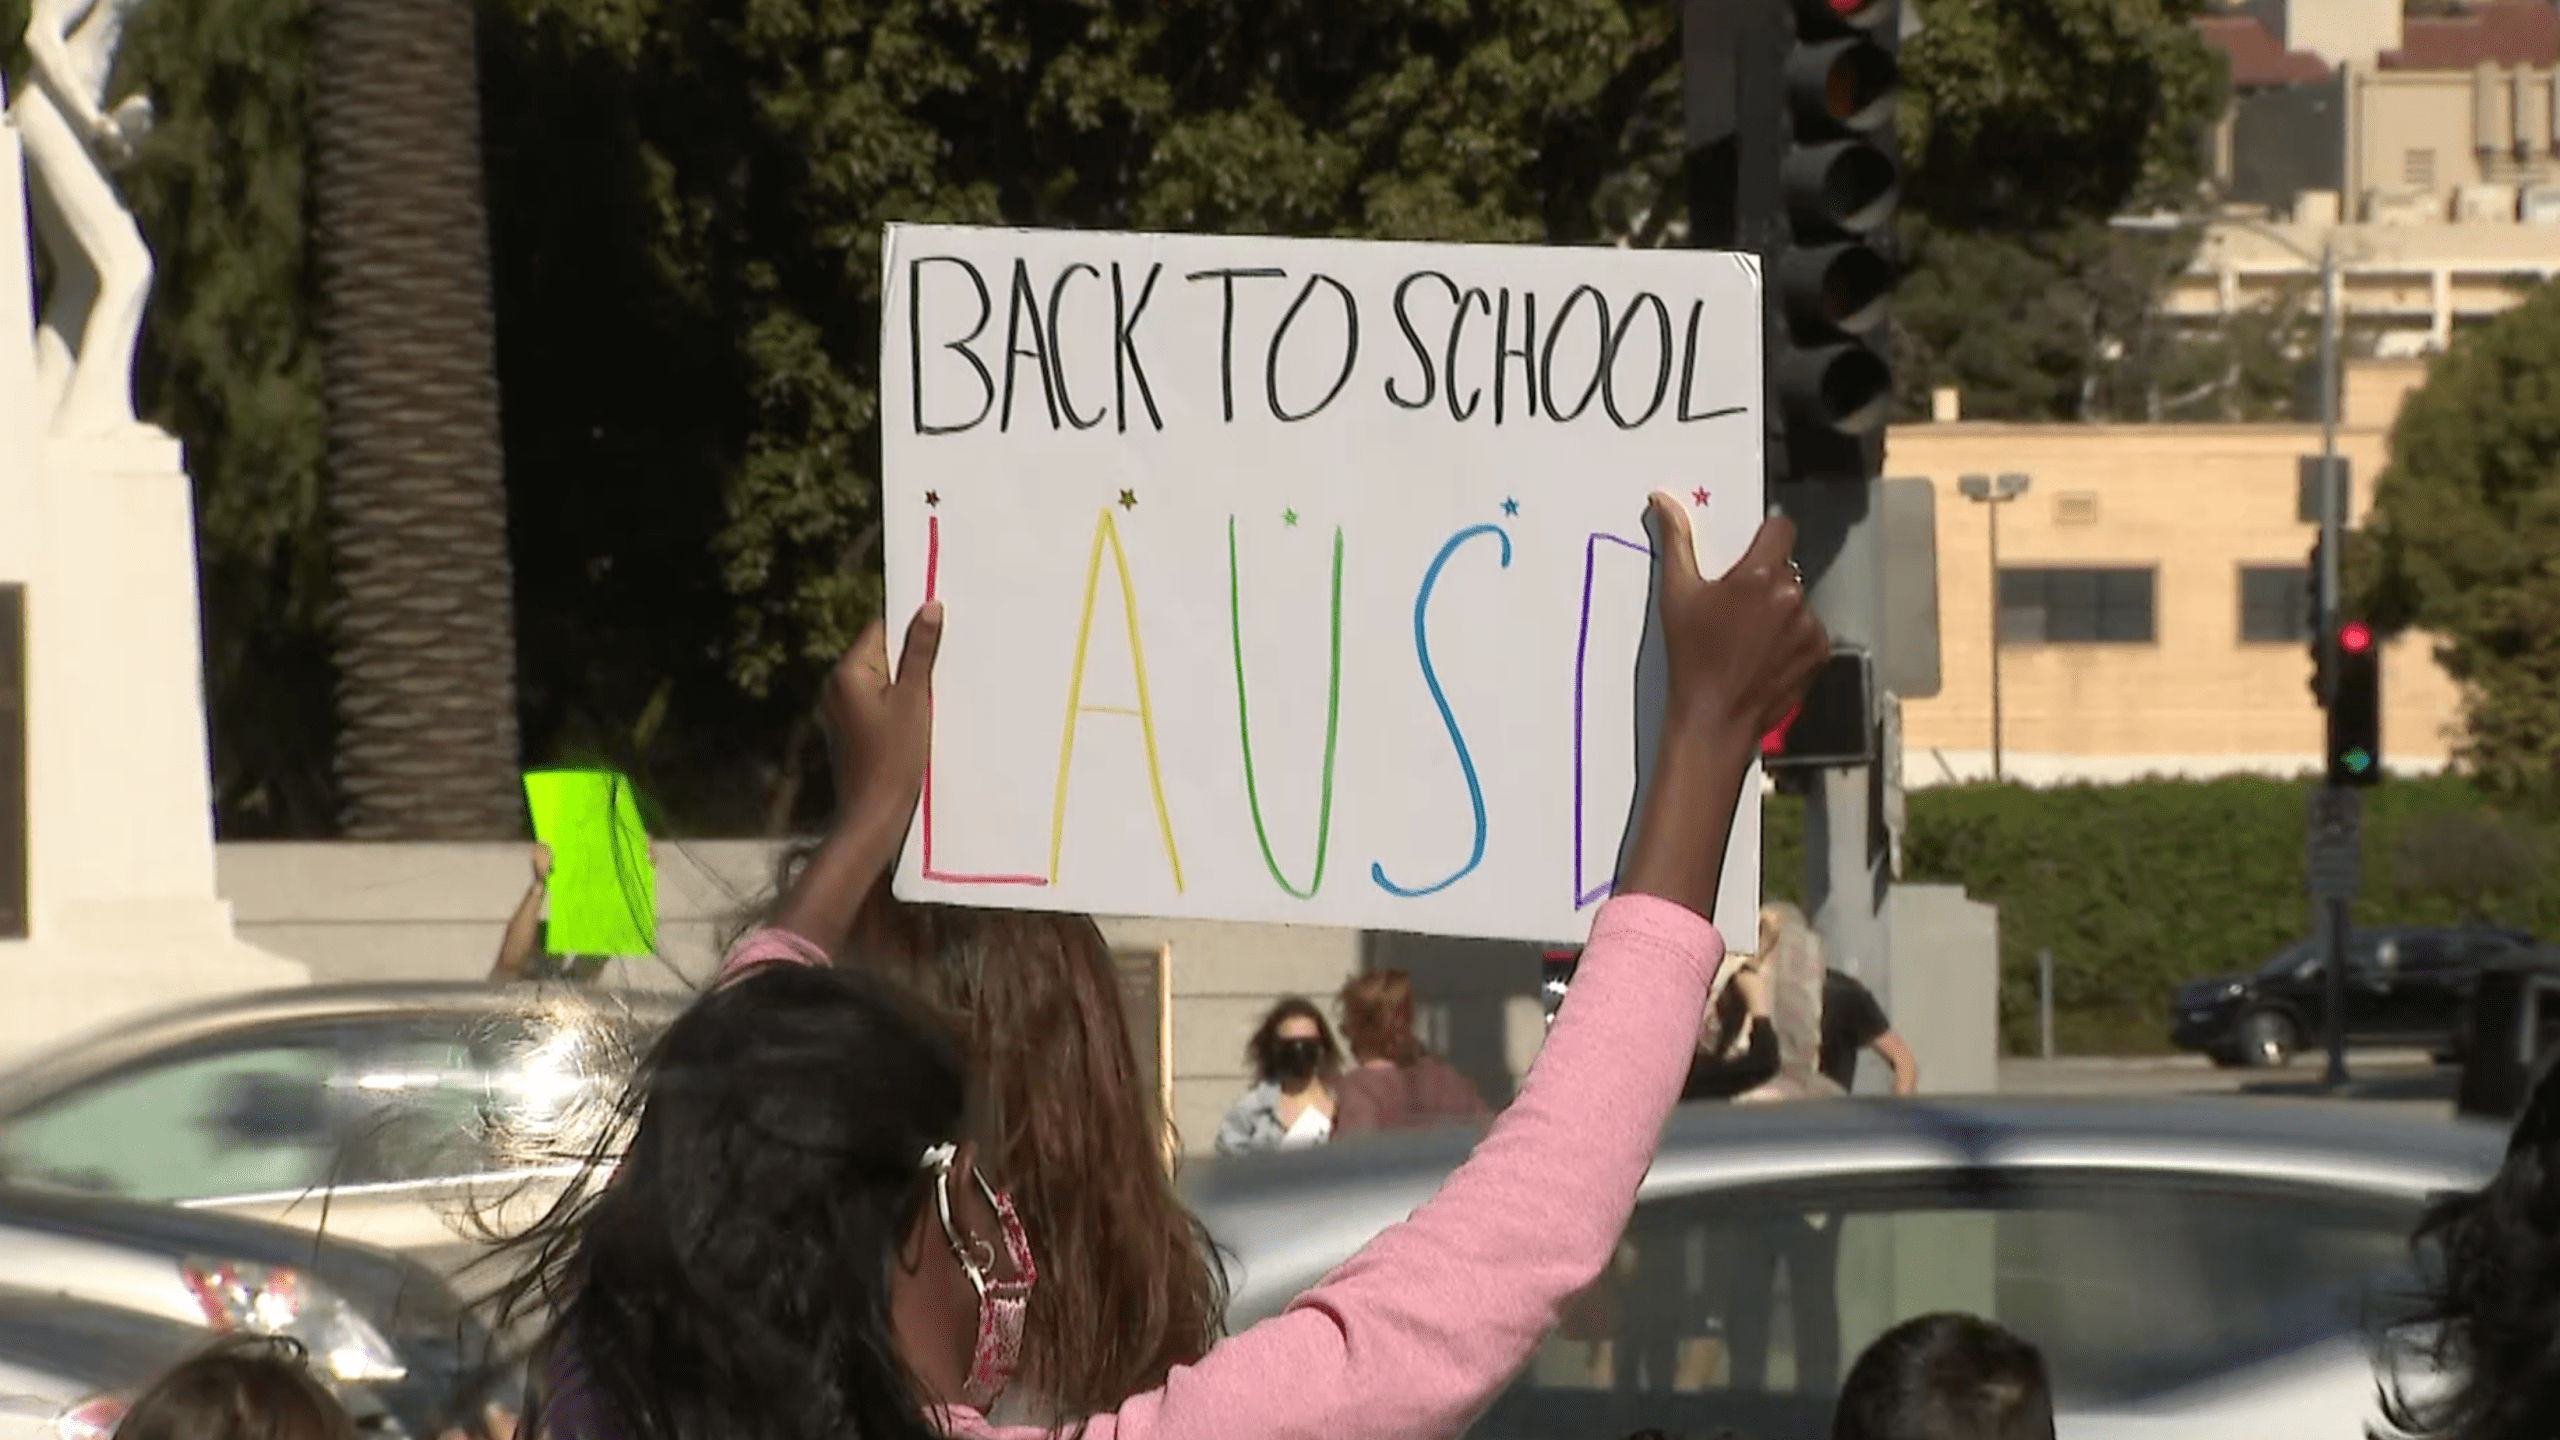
[1300, 580]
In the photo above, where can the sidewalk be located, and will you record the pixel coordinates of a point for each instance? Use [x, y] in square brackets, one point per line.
[2399, 1076]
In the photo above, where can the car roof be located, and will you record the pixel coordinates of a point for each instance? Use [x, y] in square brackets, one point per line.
[114, 1047]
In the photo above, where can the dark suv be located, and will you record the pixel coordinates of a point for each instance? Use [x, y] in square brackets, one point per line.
[2407, 986]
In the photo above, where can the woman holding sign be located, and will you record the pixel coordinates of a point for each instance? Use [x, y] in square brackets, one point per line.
[797, 1244]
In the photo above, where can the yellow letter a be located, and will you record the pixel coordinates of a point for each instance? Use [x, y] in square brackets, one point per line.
[1106, 532]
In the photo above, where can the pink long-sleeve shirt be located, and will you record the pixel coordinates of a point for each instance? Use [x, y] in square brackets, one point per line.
[1413, 1336]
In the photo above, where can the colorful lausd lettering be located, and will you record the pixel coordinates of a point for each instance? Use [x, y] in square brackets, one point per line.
[1244, 717]
[1106, 534]
[932, 592]
[1448, 721]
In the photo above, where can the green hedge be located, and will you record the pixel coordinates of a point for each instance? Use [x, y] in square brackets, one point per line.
[2137, 887]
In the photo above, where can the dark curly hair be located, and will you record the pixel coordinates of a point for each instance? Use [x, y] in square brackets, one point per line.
[2489, 1268]
[725, 1274]
[1263, 1049]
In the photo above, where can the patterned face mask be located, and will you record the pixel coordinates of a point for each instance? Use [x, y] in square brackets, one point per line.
[1001, 1302]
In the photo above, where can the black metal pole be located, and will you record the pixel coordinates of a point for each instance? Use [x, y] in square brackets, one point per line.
[2337, 994]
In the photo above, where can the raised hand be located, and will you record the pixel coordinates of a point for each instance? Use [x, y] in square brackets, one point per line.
[1739, 652]
[879, 727]
[1741, 649]
[879, 735]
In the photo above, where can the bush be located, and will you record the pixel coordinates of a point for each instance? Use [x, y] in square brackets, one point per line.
[2137, 887]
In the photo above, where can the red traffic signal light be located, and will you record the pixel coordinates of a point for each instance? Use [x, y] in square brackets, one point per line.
[2355, 637]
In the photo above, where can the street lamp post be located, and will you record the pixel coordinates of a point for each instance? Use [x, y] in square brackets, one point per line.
[1992, 494]
[2333, 521]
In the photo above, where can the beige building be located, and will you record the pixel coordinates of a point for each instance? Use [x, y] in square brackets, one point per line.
[2152, 601]
[2427, 148]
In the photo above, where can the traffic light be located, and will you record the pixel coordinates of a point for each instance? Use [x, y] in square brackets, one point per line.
[1836, 724]
[2355, 707]
[1830, 271]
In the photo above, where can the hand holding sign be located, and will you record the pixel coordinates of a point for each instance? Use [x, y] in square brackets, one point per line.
[1739, 651]
[879, 729]
[879, 737]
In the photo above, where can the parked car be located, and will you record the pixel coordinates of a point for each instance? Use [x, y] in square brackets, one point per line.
[2405, 987]
[393, 1336]
[416, 1117]
[2192, 1269]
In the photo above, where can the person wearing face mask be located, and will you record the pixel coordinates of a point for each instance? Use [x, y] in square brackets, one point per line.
[1290, 1105]
[795, 1242]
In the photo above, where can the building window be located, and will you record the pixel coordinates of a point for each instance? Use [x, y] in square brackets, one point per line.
[2274, 604]
[2418, 169]
[2052, 606]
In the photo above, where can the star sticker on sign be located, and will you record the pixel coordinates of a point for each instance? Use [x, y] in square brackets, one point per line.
[1128, 499]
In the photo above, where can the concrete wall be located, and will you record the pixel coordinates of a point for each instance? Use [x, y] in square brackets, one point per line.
[1944, 995]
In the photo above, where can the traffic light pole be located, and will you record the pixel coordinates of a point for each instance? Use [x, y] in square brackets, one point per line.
[2332, 526]
[1839, 527]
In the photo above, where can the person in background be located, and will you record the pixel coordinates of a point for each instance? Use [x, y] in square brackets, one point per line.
[522, 951]
[242, 1387]
[1749, 1254]
[1396, 1085]
[1738, 1046]
[1790, 963]
[1852, 1021]
[1295, 1062]
[1946, 1377]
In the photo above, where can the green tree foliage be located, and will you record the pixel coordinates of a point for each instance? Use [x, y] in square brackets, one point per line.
[2137, 887]
[689, 196]
[2025, 124]
[2465, 522]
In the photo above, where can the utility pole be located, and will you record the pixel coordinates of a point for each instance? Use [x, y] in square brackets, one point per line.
[2334, 823]
[2332, 539]
[1991, 494]
[1846, 854]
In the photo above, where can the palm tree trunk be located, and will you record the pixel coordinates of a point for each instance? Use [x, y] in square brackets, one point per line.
[417, 504]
